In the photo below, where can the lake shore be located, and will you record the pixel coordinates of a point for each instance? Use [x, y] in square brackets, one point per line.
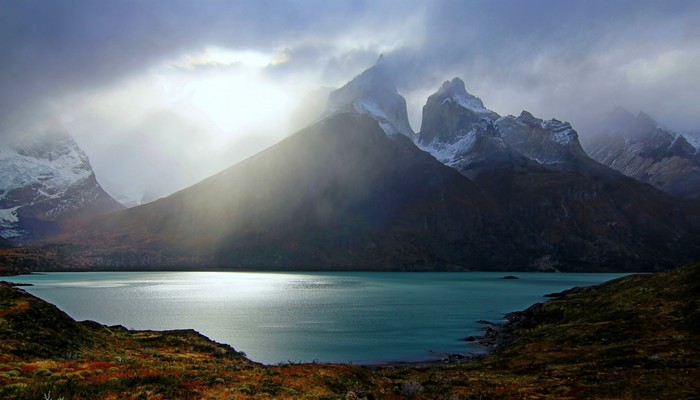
[635, 346]
[362, 318]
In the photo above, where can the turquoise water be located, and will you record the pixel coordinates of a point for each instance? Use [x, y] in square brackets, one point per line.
[325, 317]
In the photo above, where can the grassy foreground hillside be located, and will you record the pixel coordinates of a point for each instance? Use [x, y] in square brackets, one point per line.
[632, 338]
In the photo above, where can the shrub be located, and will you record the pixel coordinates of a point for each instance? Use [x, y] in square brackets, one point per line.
[42, 372]
[411, 389]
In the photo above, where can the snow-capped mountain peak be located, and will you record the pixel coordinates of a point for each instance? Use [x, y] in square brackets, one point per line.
[455, 91]
[46, 176]
[373, 93]
[466, 112]
[52, 161]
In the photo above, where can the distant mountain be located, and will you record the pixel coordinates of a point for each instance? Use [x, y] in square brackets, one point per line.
[539, 173]
[638, 147]
[353, 192]
[46, 179]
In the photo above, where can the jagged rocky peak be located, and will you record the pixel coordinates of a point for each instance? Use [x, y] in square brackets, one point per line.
[373, 93]
[450, 113]
[545, 141]
[455, 91]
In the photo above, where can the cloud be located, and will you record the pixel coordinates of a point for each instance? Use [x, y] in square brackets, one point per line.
[570, 60]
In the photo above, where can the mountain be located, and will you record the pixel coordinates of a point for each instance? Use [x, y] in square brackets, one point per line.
[341, 194]
[353, 192]
[45, 180]
[551, 143]
[539, 173]
[461, 132]
[638, 147]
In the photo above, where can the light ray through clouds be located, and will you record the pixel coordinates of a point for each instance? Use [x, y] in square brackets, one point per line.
[182, 89]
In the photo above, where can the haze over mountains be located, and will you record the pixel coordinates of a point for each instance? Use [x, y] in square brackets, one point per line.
[353, 191]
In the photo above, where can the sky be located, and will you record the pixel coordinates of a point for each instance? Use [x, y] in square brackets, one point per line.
[163, 93]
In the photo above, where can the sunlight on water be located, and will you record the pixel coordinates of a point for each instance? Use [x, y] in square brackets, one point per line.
[328, 317]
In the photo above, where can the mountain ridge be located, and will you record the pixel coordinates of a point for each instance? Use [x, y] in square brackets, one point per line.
[354, 192]
[351, 198]
[538, 171]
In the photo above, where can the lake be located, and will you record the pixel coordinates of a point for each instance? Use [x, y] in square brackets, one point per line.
[353, 317]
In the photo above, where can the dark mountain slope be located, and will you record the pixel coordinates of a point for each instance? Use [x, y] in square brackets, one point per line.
[338, 195]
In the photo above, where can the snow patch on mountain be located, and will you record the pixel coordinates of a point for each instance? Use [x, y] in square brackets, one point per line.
[371, 108]
[562, 132]
[694, 139]
[451, 154]
[469, 102]
[8, 222]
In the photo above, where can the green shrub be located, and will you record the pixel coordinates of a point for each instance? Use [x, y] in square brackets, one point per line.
[42, 372]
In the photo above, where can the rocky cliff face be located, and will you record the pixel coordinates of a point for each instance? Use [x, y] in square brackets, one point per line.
[639, 148]
[461, 132]
[549, 142]
[450, 114]
[45, 178]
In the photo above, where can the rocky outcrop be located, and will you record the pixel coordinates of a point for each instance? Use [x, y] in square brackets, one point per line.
[549, 142]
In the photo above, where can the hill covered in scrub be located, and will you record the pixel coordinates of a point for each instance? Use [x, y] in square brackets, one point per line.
[635, 337]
